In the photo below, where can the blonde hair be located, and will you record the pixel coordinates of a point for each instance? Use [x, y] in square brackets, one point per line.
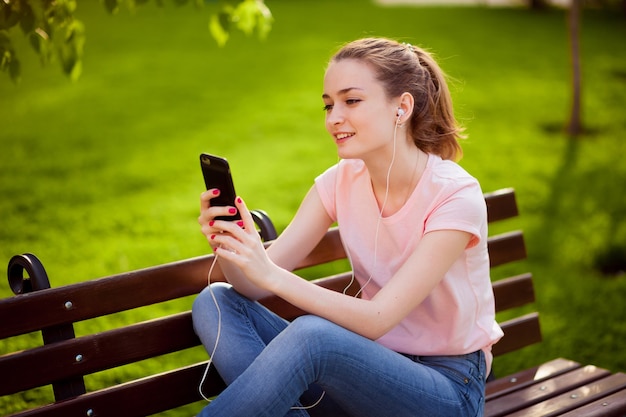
[407, 68]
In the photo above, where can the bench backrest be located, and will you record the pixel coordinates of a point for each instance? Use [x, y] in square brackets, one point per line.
[65, 361]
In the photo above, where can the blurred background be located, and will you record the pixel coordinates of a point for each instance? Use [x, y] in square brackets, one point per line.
[101, 175]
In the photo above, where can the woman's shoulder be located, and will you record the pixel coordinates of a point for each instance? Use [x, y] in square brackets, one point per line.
[447, 178]
[450, 172]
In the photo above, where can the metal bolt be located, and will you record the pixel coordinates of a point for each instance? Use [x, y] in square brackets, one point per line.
[605, 404]
[79, 358]
[543, 388]
[513, 380]
[90, 412]
[68, 305]
[573, 396]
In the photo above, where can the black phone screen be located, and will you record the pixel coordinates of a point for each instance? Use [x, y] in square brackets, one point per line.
[216, 173]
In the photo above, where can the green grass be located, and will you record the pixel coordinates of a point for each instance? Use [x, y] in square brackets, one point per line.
[102, 176]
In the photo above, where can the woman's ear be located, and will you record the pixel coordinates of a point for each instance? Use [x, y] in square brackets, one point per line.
[405, 106]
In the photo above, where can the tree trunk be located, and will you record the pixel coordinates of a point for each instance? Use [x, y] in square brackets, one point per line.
[575, 127]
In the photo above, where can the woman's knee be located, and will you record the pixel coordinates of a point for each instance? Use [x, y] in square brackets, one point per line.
[315, 325]
[208, 302]
[206, 296]
[315, 331]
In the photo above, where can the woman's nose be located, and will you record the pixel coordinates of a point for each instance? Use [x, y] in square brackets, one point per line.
[334, 117]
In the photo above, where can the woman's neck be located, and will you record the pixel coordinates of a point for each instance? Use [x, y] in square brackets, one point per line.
[394, 179]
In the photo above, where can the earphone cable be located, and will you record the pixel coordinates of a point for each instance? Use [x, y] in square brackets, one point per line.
[378, 221]
[217, 339]
[219, 328]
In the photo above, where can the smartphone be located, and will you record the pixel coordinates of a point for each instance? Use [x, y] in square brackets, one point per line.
[216, 173]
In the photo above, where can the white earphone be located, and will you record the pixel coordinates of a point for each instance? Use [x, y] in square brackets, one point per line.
[400, 112]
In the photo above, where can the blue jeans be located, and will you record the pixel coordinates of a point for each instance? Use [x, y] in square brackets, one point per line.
[272, 366]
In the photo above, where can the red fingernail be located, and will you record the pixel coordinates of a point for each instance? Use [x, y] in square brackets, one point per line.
[240, 223]
[216, 191]
[212, 222]
[232, 210]
[239, 200]
[212, 237]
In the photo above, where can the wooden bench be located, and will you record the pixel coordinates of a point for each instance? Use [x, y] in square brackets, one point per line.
[559, 387]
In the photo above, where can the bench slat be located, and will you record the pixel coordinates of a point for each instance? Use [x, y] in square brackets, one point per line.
[613, 405]
[137, 398]
[537, 393]
[47, 364]
[104, 296]
[501, 205]
[505, 248]
[518, 333]
[513, 292]
[527, 377]
[575, 398]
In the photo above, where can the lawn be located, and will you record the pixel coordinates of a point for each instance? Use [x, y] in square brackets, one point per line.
[102, 176]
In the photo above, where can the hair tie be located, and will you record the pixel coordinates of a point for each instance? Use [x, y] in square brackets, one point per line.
[409, 46]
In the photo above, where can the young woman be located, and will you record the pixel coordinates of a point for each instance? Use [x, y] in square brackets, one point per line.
[414, 224]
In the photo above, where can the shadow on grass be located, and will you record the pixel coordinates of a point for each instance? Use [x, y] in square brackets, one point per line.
[579, 238]
[585, 204]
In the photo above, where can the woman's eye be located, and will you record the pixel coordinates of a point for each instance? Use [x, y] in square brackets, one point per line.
[328, 107]
[352, 101]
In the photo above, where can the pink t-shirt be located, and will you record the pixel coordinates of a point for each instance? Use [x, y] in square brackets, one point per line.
[458, 316]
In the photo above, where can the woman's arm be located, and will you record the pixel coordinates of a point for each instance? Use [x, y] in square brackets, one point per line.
[411, 284]
[303, 233]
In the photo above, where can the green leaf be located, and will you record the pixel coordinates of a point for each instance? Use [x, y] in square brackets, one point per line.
[5, 40]
[245, 16]
[225, 17]
[265, 20]
[71, 50]
[248, 16]
[5, 58]
[40, 41]
[9, 16]
[15, 69]
[70, 6]
[253, 14]
[27, 18]
[219, 33]
[8, 59]
[112, 6]
[35, 41]
[76, 71]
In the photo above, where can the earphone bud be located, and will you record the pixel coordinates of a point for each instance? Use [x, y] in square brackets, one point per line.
[400, 112]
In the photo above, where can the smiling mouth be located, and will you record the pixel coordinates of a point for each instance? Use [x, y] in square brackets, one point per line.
[343, 136]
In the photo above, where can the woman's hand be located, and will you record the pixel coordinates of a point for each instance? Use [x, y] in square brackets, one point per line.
[209, 213]
[237, 242]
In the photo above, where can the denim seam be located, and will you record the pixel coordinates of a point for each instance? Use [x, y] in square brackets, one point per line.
[386, 378]
[243, 310]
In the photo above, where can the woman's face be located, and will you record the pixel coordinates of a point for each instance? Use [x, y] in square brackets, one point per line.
[359, 116]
